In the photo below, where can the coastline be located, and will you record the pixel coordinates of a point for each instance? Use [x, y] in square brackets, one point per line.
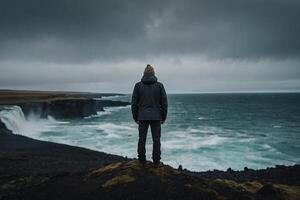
[33, 169]
[58, 104]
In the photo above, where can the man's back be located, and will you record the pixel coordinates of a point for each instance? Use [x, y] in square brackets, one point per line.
[149, 100]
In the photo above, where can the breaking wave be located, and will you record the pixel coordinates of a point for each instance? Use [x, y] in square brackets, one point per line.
[107, 111]
[15, 120]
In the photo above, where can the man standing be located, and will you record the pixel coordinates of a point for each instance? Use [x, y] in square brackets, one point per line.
[149, 106]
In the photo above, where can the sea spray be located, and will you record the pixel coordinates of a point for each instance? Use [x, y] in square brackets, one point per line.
[32, 126]
[107, 111]
[13, 118]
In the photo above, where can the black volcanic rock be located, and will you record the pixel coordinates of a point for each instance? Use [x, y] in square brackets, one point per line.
[279, 174]
[73, 108]
[23, 156]
[269, 192]
[32, 169]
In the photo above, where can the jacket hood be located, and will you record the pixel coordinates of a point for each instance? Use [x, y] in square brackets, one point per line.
[149, 79]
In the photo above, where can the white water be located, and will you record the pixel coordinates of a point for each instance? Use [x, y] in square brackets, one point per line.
[15, 120]
[107, 111]
[198, 137]
[109, 97]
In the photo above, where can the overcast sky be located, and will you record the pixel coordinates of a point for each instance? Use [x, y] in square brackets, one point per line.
[194, 45]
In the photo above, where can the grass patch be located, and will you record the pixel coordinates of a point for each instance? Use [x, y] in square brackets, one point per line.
[251, 187]
[118, 180]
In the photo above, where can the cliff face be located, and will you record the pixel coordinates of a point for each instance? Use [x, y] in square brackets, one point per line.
[68, 108]
[57, 104]
[61, 108]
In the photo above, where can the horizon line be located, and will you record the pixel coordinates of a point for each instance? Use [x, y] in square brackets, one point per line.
[172, 92]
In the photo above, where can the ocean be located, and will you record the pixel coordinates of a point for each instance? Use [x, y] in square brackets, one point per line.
[202, 132]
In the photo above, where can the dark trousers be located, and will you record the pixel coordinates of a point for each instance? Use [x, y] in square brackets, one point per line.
[156, 131]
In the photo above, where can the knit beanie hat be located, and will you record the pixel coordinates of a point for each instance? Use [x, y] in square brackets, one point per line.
[149, 70]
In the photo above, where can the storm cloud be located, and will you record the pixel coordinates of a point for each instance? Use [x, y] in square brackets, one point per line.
[209, 45]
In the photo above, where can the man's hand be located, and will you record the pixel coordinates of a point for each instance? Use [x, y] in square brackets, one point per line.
[162, 121]
[137, 121]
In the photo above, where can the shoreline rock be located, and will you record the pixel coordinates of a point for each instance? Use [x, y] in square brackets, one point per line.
[279, 174]
[33, 169]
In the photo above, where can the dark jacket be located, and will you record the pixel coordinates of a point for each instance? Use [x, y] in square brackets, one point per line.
[149, 100]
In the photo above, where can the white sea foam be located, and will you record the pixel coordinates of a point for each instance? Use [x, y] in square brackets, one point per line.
[99, 114]
[111, 97]
[190, 142]
[107, 111]
[114, 130]
[53, 120]
[14, 119]
[116, 108]
[202, 133]
[208, 130]
[193, 130]
[203, 118]
[196, 162]
[244, 140]
[266, 146]
[108, 97]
